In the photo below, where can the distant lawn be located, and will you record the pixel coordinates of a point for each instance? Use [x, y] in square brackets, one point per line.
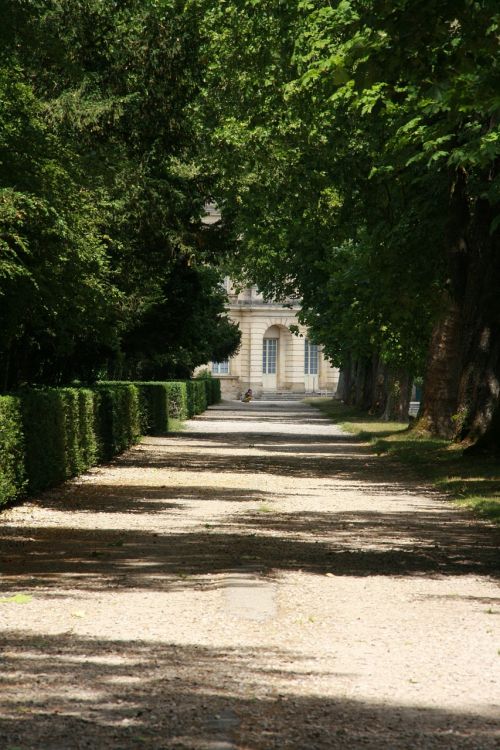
[176, 425]
[471, 482]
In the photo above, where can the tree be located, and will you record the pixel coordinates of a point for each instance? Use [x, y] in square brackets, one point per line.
[357, 151]
[102, 192]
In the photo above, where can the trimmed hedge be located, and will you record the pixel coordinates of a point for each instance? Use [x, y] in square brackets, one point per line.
[48, 435]
[196, 396]
[213, 390]
[177, 399]
[12, 466]
[59, 430]
[154, 407]
[118, 423]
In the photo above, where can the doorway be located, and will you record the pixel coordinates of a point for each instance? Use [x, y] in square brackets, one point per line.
[270, 364]
[310, 366]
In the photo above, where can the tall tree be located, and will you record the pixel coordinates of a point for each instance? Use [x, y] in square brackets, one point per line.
[102, 195]
[357, 150]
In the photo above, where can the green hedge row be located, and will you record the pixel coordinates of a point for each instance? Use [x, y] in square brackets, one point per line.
[12, 466]
[48, 435]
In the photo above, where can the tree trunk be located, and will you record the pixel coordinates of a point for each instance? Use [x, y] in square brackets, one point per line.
[462, 382]
[398, 386]
[366, 369]
[440, 393]
[345, 380]
[441, 381]
[479, 387]
[379, 395]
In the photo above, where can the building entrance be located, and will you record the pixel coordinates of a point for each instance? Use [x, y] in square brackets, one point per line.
[310, 367]
[270, 364]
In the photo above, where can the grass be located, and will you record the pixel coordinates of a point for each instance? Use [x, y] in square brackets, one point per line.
[473, 482]
[176, 425]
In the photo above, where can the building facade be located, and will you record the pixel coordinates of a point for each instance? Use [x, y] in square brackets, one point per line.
[271, 359]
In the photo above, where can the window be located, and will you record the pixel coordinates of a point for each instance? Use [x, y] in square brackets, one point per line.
[220, 368]
[269, 354]
[310, 358]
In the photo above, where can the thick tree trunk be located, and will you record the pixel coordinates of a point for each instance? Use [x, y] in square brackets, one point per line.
[478, 416]
[345, 380]
[442, 376]
[398, 385]
[440, 394]
[462, 383]
[355, 386]
[379, 390]
[367, 384]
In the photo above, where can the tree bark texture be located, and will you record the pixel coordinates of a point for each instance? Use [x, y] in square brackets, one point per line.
[440, 394]
[478, 410]
[442, 376]
[462, 383]
[398, 388]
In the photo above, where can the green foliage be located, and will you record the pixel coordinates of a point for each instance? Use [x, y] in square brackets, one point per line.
[12, 467]
[177, 399]
[48, 435]
[212, 387]
[337, 132]
[87, 439]
[101, 195]
[181, 327]
[118, 422]
[196, 397]
[59, 435]
[213, 390]
[153, 400]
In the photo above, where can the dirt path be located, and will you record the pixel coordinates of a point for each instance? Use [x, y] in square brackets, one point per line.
[255, 582]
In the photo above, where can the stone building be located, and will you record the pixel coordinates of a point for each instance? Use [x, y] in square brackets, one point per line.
[272, 360]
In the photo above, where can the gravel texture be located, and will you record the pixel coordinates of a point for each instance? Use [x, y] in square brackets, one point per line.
[258, 581]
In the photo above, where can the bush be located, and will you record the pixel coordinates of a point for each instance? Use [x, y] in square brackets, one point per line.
[196, 396]
[214, 390]
[12, 450]
[48, 435]
[212, 387]
[87, 438]
[59, 436]
[153, 405]
[177, 399]
[117, 423]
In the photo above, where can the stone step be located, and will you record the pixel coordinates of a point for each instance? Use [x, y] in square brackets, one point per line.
[283, 396]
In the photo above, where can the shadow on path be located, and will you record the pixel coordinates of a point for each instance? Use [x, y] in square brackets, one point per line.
[139, 694]
[361, 544]
[108, 534]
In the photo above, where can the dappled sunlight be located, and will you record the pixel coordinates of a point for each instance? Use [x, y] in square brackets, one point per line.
[189, 696]
[243, 590]
[139, 693]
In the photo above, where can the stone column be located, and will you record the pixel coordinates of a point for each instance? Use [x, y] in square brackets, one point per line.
[255, 357]
[296, 363]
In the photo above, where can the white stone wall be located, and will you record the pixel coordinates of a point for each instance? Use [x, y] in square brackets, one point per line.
[255, 317]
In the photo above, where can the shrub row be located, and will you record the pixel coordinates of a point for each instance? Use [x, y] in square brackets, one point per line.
[48, 435]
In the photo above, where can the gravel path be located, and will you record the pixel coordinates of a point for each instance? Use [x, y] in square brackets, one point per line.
[258, 581]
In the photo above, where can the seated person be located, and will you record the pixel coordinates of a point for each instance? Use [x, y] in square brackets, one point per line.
[247, 397]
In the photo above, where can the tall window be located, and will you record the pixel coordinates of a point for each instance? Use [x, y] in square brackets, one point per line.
[220, 368]
[269, 354]
[310, 358]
